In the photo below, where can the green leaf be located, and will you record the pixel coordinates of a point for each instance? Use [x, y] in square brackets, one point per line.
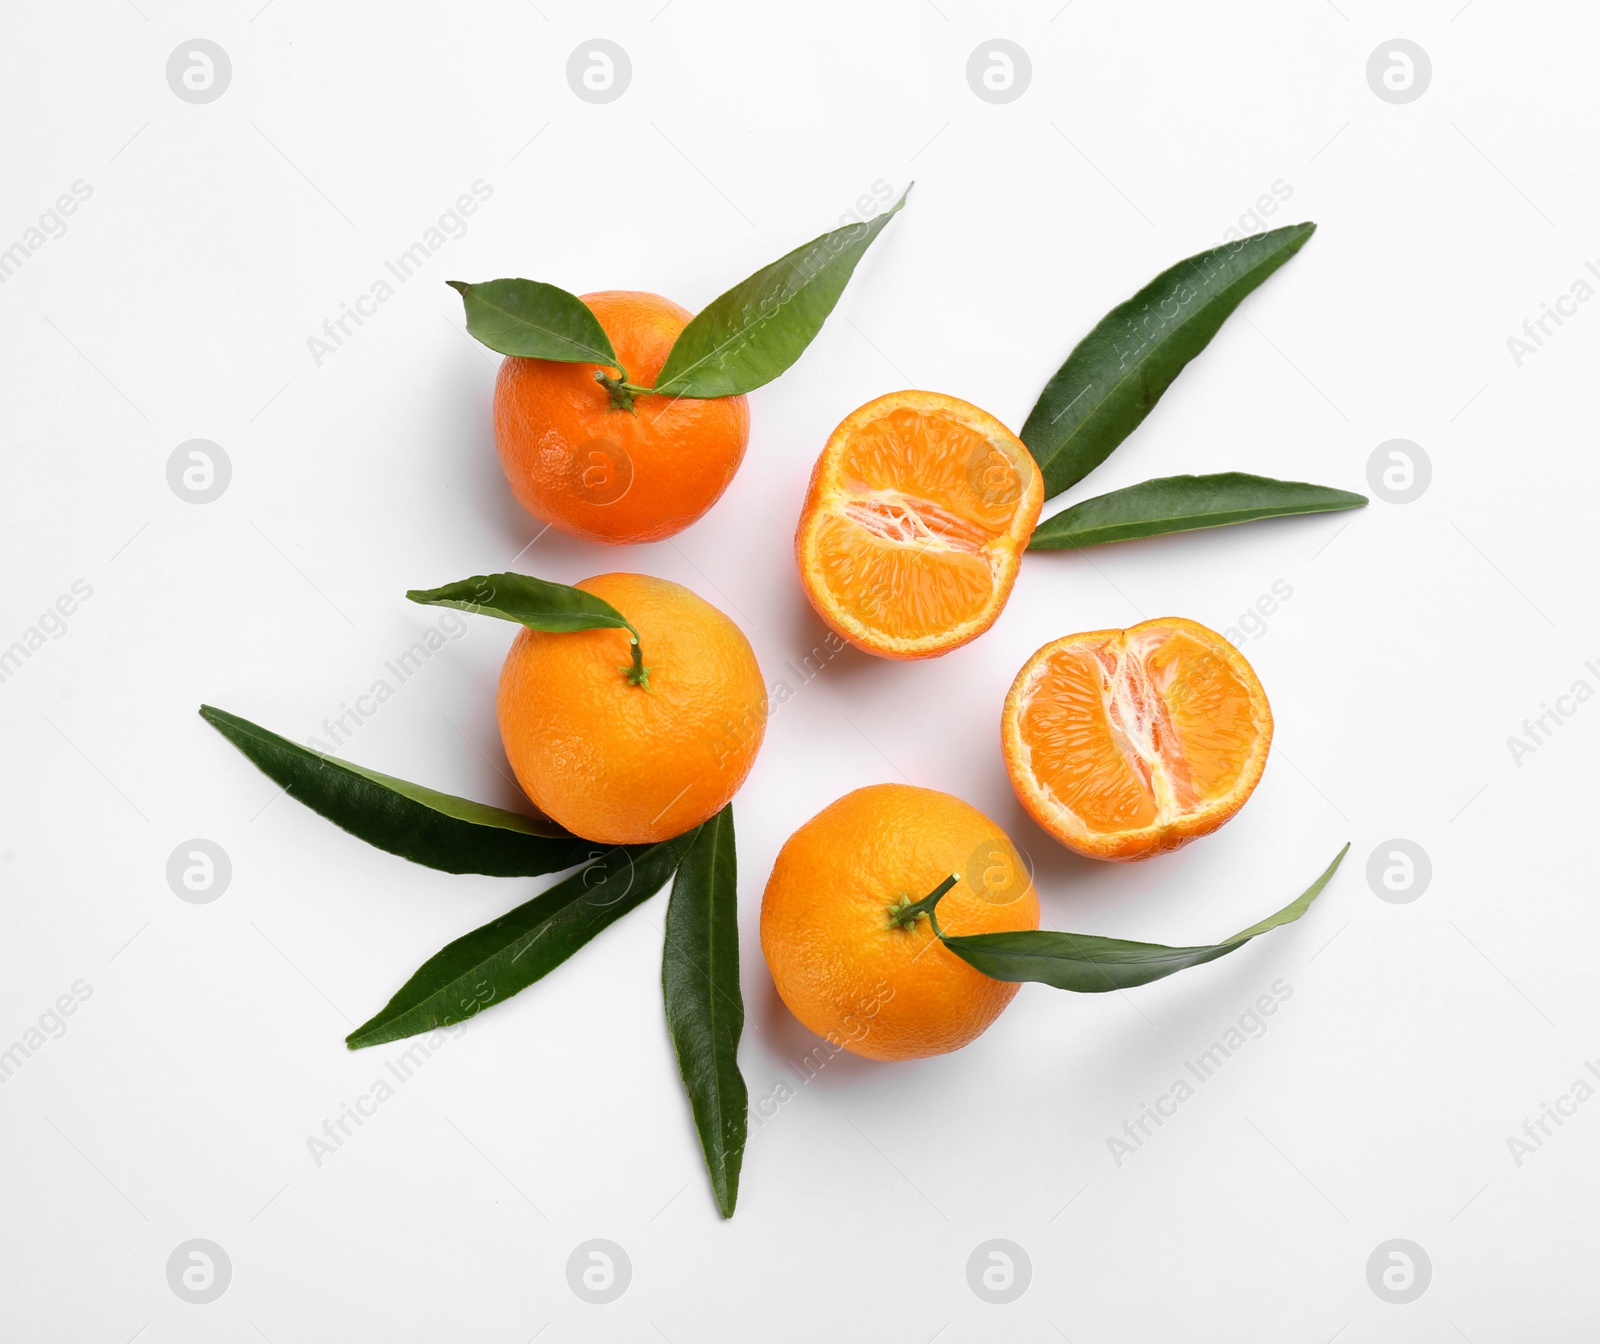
[1184, 504]
[1091, 965]
[417, 823]
[705, 1013]
[1120, 369]
[535, 603]
[536, 321]
[755, 331]
[494, 962]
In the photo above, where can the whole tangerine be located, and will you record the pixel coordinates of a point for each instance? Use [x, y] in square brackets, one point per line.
[843, 957]
[623, 763]
[606, 466]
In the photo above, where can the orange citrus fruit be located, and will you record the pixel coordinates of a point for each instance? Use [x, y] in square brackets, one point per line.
[624, 764]
[913, 529]
[585, 465]
[1128, 743]
[840, 961]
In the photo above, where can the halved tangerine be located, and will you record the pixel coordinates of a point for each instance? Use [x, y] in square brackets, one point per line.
[914, 526]
[1127, 743]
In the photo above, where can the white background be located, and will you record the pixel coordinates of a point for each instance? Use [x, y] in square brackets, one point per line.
[1418, 637]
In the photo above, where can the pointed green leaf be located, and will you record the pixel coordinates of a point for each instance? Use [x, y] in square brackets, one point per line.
[1119, 370]
[755, 331]
[1184, 504]
[417, 823]
[494, 962]
[705, 1012]
[534, 320]
[535, 603]
[1091, 965]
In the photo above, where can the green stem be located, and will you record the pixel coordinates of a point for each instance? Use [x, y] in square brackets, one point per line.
[622, 391]
[638, 674]
[903, 914]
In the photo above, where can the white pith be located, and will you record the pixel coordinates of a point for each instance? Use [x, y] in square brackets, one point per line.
[908, 519]
[1135, 712]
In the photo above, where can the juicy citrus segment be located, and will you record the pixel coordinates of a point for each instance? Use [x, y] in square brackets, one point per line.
[1128, 743]
[1211, 710]
[914, 525]
[936, 458]
[1074, 749]
[907, 592]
